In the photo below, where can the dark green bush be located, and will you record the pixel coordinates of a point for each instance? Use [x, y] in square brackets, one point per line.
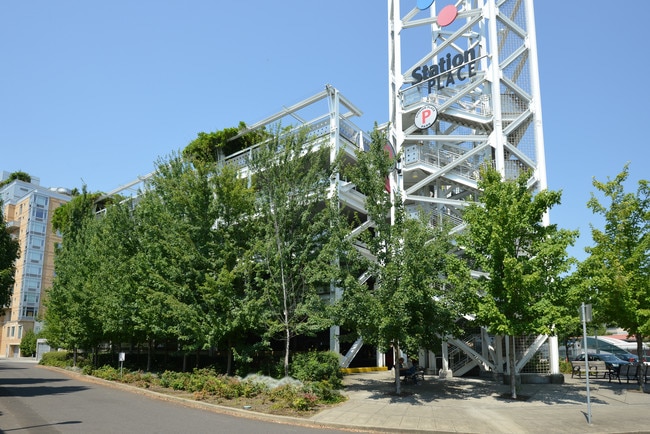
[59, 359]
[107, 372]
[316, 366]
[174, 380]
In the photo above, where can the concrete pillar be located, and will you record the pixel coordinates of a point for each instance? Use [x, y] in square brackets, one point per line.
[554, 354]
[445, 371]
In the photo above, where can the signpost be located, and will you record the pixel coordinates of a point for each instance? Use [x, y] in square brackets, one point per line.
[585, 315]
[121, 357]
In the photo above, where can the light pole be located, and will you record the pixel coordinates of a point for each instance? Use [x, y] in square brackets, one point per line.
[585, 314]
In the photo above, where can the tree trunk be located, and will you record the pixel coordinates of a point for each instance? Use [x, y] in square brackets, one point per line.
[149, 345]
[286, 351]
[229, 358]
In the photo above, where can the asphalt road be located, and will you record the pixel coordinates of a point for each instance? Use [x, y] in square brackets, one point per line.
[34, 399]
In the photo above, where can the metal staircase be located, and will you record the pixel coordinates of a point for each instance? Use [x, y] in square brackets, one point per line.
[352, 352]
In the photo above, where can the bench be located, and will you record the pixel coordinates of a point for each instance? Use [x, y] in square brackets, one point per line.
[415, 377]
[595, 368]
[630, 372]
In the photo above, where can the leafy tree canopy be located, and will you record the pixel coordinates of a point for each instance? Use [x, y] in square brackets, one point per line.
[209, 147]
[28, 344]
[291, 185]
[9, 253]
[22, 176]
[617, 271]
[523, 258]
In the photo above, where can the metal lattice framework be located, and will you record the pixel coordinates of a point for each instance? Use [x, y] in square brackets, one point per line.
[474, 62]
[464, 93]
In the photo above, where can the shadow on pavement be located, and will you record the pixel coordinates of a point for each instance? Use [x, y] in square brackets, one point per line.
[380, 386]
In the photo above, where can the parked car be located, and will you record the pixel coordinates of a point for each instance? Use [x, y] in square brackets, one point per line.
[632, 358]
[611, 361]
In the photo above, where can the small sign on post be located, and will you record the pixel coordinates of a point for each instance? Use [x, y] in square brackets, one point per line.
[121, 358]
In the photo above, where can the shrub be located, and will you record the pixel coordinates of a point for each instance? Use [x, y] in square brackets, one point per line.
[316, 366]
[107, 372]
[565, 366]
[305, 401]
[251, 389]
[325, 392]
[287, 393]
[59, 359]
[174, 380]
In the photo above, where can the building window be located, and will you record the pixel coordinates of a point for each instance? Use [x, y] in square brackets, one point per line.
[13, 331]
[38, 228]
[39, 214]
[33, 284]
[20, 332]
[31, 298]
[41, 201]
[35, 257]
[37, 242]
[33, 271]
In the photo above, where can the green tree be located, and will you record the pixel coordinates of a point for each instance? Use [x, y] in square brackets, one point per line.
[174, 219]
[28, 344]
[211, 147]
[291, 182]
[420, 288]
[232, 309]
[114, 244]
[618, 265]
[9, 253]
[524, 258]
[71, 317]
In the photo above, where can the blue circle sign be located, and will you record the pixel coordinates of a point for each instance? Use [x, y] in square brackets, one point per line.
[424, 4]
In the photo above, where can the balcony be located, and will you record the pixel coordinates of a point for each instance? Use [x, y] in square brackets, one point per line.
[13, 226]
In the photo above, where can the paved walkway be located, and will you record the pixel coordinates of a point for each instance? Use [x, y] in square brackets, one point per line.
[483, 406]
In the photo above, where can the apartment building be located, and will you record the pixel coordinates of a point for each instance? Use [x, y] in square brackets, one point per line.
[28, 209]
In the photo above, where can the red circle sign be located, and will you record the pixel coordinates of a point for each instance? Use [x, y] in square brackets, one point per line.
[447, 15]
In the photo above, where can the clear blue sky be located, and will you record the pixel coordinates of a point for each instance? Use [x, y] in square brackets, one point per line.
[95, 92]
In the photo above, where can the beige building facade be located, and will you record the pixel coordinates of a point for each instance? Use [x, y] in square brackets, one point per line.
[28, 209]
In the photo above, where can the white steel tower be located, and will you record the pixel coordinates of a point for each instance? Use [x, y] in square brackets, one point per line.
[464, 92]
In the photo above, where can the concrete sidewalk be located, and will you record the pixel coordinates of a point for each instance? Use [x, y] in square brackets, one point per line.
[484, 406]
